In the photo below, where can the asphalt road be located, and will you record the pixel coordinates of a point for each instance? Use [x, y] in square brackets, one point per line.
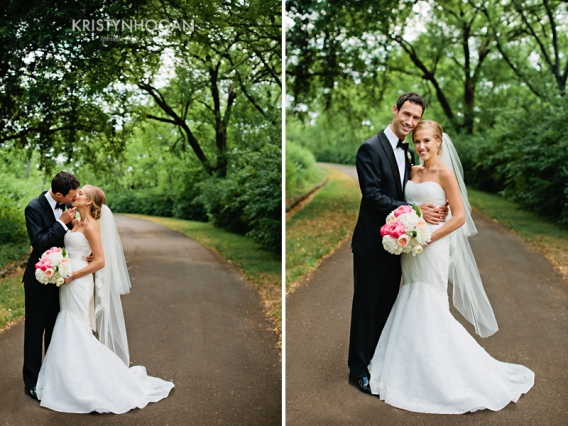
[529, 299]
[191, 318]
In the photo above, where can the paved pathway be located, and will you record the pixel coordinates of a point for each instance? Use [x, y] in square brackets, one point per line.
[530, 301]
[191, 318]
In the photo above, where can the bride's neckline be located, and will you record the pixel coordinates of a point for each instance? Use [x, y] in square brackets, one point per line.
[426, 181]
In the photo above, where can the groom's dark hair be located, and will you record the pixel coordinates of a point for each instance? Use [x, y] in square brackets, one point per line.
[63, 182]
[413, 97]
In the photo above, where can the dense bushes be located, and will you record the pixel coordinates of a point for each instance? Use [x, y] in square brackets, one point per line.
[301, 171]
[249, 199]
[246, 201]
[14, 196]
[523, 157]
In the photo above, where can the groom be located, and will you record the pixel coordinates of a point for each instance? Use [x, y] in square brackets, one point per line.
[383, 168]
[47, 222]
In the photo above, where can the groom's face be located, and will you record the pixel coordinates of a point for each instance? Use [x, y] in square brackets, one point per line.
[65, 199]
[405, 120]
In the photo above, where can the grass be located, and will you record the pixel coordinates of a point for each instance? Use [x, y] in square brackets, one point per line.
[548, 237]
[260, 267]
[11, 300]
[317, 230]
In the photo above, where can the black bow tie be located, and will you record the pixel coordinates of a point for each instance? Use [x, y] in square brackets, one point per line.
[59, 206]
[402, 145]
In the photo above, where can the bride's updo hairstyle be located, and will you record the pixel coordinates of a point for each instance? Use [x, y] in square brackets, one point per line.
[97, 197]
[436, 130]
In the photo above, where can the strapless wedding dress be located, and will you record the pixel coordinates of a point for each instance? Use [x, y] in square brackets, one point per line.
[79, 374]
[426, 361]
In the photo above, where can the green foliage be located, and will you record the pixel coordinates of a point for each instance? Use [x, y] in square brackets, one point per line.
[14, 196]
[301, 172]
[525, 158]
[249, 199]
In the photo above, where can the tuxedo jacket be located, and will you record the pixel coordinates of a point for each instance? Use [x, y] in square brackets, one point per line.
[44, 232]
[382, 192]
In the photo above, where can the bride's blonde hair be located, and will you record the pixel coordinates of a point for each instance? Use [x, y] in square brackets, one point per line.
[436, 129]
[97, 197]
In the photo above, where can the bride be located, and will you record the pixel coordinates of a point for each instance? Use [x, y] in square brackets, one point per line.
[425, 360]
[81, 374]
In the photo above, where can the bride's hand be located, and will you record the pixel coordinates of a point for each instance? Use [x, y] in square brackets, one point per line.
[68, 279]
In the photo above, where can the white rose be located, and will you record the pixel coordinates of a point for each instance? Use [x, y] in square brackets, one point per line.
[59, 281]
[423, 236]
[390, 218]
[55, 257]
[40, 276]
[417, 249]
[409, 220]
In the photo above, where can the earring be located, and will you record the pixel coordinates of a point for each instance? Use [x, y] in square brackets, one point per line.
[439, 145]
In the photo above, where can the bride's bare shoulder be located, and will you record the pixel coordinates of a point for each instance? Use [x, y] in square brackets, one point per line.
[92, 228]
[447, 176]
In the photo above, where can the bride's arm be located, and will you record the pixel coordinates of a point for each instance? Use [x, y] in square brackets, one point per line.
[93, 235]
[450, 185]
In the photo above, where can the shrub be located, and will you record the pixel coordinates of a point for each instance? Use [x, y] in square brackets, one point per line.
[525, 158]
[301, 171]
[249, 199]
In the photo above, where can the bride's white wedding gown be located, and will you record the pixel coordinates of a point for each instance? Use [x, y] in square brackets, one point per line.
[426, 361]
[79, 374]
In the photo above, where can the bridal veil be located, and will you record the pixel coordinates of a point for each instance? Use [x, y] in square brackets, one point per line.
[469, 296]
[111, 282]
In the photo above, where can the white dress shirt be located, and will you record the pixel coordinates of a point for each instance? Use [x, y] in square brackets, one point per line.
[398, 153]
[56, 212]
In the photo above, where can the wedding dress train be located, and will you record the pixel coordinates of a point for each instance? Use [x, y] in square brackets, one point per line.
[79, 374]
[426, 361]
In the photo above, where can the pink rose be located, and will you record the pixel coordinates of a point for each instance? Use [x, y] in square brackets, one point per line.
[49, 272]
[396, 229]
[403, 240]
[53, 250]
[402, 210]
[385, 229]
[43, 264]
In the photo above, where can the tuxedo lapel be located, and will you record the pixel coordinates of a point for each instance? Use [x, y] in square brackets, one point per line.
[46, 207]
[392, 160]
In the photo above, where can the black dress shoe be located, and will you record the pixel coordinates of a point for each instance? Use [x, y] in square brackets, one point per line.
[31, 392]
[362, 384]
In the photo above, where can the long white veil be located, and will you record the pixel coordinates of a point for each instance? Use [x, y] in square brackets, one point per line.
[110, 282]
[469, 296]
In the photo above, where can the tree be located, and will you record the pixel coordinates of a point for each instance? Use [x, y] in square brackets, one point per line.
[233, 54]
[539, 28]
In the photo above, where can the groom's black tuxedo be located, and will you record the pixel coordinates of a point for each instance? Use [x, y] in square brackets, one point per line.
[377, 273]
[42, 301]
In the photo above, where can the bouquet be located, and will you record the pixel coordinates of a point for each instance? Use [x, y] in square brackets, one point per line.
[53, 267]
[405, 231]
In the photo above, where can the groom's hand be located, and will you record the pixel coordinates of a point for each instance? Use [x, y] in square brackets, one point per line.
[433, 214]
[68, 215]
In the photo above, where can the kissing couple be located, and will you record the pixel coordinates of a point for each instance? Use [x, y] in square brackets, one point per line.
[80, 373]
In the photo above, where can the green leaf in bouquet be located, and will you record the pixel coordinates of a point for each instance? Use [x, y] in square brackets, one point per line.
[417, 210]
[414, 234]
[63, 251]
